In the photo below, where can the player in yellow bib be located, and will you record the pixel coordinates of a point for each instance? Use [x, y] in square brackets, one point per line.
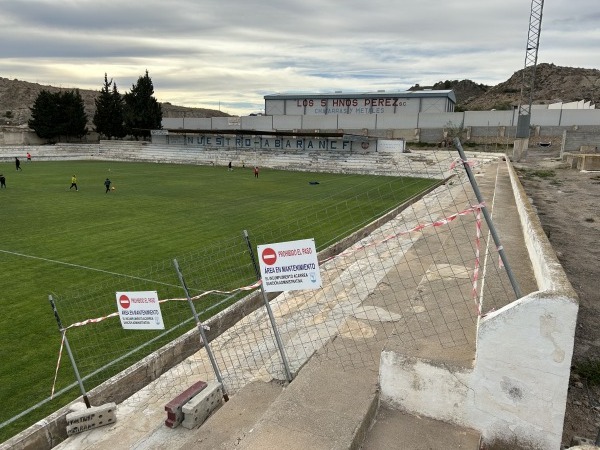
[74, 183]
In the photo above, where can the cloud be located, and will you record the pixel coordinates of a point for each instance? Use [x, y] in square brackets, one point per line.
[232, 53]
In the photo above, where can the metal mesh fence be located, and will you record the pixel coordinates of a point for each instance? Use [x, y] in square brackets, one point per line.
[424, 269]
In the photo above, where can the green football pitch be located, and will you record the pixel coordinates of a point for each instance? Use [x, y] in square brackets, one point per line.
[54, 238]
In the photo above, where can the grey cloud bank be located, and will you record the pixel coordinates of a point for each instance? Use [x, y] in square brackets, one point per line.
[229, 54]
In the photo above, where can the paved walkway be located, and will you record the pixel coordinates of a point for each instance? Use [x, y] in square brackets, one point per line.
[414, 291]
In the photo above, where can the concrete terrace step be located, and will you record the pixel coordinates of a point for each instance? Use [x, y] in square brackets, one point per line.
[399, 430]
[325, 407]
[314, 411]
[311, 412]
[235, 420]
[414, 164]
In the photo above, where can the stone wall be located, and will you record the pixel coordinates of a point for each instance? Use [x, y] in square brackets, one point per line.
[578, 137]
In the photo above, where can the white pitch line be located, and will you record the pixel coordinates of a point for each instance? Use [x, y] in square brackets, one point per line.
[79, 266]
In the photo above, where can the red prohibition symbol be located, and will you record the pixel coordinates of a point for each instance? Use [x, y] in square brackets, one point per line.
[124, 301]
[269, 256]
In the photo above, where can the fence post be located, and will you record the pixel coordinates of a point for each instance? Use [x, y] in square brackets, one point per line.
[203, 339]
[487, 217]
[278, 340]
[71, 357]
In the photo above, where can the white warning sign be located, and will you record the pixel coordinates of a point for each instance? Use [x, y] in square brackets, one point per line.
[140, 310]
[289, 266]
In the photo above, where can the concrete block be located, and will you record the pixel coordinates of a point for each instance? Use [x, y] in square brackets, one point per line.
[590, 162]
[87, 419]
[174, 407]
[198, 409]
[572, 161]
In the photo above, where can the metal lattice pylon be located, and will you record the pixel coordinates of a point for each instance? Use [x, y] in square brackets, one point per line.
[531, 55]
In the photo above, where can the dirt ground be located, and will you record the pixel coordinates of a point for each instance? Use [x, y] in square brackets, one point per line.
[568, 205]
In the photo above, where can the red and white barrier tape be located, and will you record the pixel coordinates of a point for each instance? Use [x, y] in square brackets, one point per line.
[470, 163]
[62, 344]
[196, 297]
[115, 314]
[88, 321]
[477, 262]
[419, 227]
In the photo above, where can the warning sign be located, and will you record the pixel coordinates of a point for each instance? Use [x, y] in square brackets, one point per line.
[140, 310]
[289, 266]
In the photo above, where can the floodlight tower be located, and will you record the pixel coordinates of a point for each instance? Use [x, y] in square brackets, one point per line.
[531, 55]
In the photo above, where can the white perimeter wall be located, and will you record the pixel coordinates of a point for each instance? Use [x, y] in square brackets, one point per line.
[518, 385]
[539, 117]
[288, 122]
[318, 122]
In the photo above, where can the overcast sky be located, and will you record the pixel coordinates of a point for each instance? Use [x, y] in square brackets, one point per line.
[229, 54]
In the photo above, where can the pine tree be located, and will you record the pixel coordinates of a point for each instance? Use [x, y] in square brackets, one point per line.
[142, 111]
[58, 114]
[75, 120]
[108, 118]
[117, 118]
[104, 105]
[43, 113]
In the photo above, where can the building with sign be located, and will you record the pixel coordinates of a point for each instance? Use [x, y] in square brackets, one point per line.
[380, 102]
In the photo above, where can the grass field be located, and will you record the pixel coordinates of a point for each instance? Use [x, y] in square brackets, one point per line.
[54, 239]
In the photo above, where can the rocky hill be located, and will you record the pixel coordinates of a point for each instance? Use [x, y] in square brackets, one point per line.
[553, 84]
[465, 90]
[17, 97]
